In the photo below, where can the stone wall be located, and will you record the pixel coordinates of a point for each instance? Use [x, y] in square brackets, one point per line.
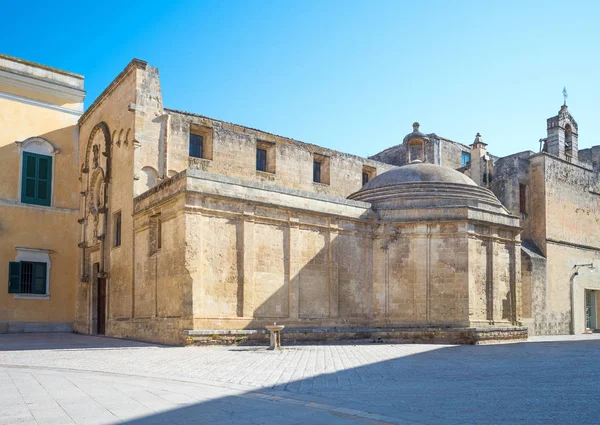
[567, 224]
[241, 255]
[437, 151]
[107, 180]
[233, 153]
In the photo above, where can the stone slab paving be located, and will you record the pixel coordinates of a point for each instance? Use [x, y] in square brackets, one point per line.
[75, 379]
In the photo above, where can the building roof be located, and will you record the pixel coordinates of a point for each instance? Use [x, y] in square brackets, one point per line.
[38, 65]
[418, 173]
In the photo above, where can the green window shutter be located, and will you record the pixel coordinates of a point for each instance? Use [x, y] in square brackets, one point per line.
[39, 278]
[36, 183]
[14, 277]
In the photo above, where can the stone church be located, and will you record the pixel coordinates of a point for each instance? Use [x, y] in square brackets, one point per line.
[191, 229]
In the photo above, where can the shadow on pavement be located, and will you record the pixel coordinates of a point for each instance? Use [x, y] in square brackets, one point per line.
[547, 382]
[65, 341]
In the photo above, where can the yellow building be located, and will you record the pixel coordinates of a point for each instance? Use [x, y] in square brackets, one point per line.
[39, 195]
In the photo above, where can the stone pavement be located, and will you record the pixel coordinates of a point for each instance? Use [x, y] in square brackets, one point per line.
[75, 379]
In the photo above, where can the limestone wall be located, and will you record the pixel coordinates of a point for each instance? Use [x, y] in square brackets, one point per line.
[233, 154]
[243, 256]
[565, 224]
[107, 180]
[437, 151]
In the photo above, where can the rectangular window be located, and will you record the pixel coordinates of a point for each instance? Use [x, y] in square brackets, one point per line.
[158, 233]
[368, 173]
[320, 168]
[261, 160]
[196, 145]
[316, 172]
[155, 234]
[27, 277]
[523, 199]
[36, 179]
[466, 158]
[117, 222]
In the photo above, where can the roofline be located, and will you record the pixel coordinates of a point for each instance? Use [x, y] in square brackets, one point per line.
[39, 65]
[135, 63]
[277, 135]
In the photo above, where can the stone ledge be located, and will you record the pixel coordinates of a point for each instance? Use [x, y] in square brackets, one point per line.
[474, 336]
[36, 327]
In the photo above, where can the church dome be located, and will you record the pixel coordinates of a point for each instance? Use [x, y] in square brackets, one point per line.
[418, 173]
[421, 187]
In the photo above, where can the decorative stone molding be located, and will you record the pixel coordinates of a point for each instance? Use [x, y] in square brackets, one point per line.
[38, 145]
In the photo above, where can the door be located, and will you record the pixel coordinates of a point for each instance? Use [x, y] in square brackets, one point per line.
[590, 309]
[101, 306]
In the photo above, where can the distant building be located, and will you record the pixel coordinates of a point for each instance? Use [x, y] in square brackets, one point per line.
[39, 195]
[194, 229]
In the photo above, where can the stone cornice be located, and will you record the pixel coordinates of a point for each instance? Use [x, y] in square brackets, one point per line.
[41, 85]
[40, 104]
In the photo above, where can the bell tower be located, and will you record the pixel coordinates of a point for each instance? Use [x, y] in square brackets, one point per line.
[562, 135]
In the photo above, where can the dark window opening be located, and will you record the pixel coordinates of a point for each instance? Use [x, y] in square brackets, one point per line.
[196, 145]
[27, 277]
[523, 199]
[365, 178]
[158, 233]
[118, 229]
[316, 172]
[261, 160]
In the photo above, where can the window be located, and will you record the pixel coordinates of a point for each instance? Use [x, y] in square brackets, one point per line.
[316, 172]
[320, 169]
[155, 233]
[196, 145]
[117, 222]
[261, 160]
[27, 277]
[416, 150]
[201, 142]
[36, 179]
[522, 199]
[465, 159]
[368, 173]
[265, 156]
[158, 233]
[568, 142]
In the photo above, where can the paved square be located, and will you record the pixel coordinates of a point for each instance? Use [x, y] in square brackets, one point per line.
[59, 379]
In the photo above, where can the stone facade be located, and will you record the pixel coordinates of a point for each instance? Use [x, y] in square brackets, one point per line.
[211, 242]
[555, 194]
[193, 228]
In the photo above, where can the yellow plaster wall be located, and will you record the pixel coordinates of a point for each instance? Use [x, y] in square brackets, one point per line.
[39, 227]
[20, 121]
[55, 231]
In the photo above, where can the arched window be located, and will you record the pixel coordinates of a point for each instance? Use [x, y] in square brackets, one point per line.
[568, 142]
[37, 171]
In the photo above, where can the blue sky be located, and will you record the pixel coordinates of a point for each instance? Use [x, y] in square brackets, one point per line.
[347, 75]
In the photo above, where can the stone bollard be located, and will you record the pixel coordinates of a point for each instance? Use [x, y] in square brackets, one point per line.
[275, 336]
